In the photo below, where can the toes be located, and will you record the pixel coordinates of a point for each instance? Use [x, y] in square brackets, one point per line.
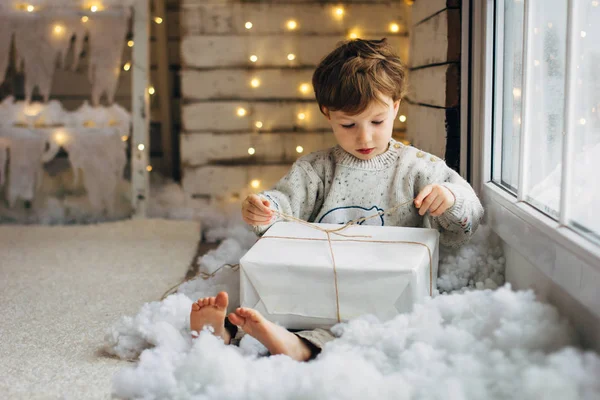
[236, 319]
[211, 301]
[195, 307]
[222, 300]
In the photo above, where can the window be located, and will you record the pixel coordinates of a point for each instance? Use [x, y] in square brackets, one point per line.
[546, 108]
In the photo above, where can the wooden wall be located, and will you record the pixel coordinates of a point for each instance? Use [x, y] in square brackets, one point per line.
[434, 123]
[216, 78]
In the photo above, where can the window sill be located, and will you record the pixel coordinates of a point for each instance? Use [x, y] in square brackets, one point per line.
[567, 259]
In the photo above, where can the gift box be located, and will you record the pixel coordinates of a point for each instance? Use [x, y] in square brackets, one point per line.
[293, 277]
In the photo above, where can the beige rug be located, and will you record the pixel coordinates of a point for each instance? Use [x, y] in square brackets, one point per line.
[61, 287]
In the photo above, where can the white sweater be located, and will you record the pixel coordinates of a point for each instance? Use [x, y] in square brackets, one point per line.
[333, 186]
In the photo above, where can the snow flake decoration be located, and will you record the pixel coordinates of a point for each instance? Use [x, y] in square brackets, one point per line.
[42, 32]
[94, 137]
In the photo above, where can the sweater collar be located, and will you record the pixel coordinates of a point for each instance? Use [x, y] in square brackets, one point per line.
[382, 161]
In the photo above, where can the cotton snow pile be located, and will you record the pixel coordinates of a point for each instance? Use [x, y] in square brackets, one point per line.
[463, 343]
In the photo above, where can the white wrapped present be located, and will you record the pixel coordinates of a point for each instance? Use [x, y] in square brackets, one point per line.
[288, 275]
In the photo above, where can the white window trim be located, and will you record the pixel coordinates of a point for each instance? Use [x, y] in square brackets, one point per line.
[567, 258]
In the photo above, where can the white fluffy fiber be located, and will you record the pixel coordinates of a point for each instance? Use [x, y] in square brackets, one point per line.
[468, 344]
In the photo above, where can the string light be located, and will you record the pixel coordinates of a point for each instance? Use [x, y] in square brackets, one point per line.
[517, 92]
[158, 20]
[149, 168]
[85, 19]
[127, 66]
[338, 13]
[583, 34]
[301, 116]
[353, 35]
[30, 8]
[141, 147]
[124, 138]
[255, 183]
[248, 25]
[60, 137]
[151, 90]
[291, 57]
[258, 124]
[394, 27]
[58, 29]
[255, 83]
[94, 9]
[304, 88]
[130, 43]
[253, 58]
[582, 121]
[299, 149]
[402, 118]
[241, 112]
[251, 151]
[291, 24]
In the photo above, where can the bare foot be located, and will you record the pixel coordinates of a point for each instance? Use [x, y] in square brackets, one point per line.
[211, 311]
[275, 338]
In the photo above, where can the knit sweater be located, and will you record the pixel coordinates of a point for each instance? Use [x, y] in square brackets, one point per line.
[333, 186]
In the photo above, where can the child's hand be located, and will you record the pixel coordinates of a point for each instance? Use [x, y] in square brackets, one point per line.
[434, 198]
[256, 211]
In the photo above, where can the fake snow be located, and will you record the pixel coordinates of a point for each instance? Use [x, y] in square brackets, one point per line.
[463, 343]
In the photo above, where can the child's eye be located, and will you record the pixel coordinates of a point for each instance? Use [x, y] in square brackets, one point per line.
[377, 122]
[347, 126]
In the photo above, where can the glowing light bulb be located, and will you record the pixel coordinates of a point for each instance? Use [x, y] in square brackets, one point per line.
[301, 116]
[402, 118]
[582, 121]
[130, 43]
[255, 183]
[124, 138]
[30, 8]
[251, 151]
[353, 35]
[151, 90]
[258, 124]
[291, 24]
[291, 57]
[58, 29]
[241, 112]
[94, 8]
[394, 28]
[149, 168]
[248, 25]
[517, 92]
[304, 88]
[253, 58]
[127, 66]
[299, 149]
[158, 20]
[85, 19]
[583, 34]
[255, 83]
[339, 11]
[141, 147]
[60, 137]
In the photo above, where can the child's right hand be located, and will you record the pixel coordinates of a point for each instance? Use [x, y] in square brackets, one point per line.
[256, 211]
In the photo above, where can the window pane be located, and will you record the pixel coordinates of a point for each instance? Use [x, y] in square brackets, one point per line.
[545, 103]
[585, 183]
[510, 90]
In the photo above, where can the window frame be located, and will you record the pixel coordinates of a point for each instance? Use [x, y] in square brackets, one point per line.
[569, 259]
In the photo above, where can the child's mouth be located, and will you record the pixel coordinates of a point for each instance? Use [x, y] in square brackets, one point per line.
[366, 151]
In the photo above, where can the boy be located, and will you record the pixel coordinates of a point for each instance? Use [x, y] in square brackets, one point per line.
[358, 87]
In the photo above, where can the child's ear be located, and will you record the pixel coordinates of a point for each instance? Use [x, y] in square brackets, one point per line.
[325, 112]
[396, 107]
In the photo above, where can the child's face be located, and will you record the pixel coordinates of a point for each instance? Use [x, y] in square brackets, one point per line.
[367, 134]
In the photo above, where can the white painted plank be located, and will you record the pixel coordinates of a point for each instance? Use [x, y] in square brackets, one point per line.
[232, 83]
[310, 18]
[436, 86]
[430, 42]
[423, 9]
[203, 148]
[426, 129]
[225, 51]
[275, 116]
[230, 181]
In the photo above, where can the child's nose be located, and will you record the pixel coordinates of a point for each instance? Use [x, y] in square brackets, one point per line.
[365, 135]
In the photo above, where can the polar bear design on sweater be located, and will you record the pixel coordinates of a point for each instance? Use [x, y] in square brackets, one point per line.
[343, 215]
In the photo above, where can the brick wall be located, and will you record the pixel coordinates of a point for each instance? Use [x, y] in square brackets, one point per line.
[217, 76]
[434, 99]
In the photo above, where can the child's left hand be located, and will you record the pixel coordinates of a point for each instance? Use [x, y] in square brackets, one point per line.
[435, 198]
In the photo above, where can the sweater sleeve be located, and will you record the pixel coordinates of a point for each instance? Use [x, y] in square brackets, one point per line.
[458, 223]
[299, 194]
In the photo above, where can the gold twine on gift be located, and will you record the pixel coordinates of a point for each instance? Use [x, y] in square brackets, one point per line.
[336, 231]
